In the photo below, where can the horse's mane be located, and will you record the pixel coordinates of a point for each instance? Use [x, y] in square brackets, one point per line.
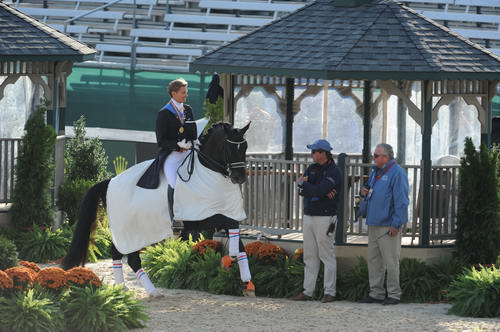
[210, 131]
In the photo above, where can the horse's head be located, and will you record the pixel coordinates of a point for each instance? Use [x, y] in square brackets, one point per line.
[226, 148]
[236, 148]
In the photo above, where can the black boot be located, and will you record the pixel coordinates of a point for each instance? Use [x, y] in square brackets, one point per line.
[176, 225]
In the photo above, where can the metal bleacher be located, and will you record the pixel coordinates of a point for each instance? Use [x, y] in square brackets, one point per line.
[168, 34]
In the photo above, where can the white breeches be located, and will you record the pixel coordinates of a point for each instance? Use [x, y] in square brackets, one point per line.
[171, 165]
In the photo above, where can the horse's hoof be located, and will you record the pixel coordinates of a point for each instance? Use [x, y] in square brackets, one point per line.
[226, 262]
[156, 294]
[249, 289]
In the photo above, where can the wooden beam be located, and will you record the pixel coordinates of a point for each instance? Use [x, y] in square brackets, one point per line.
[324, 133]
[413, 110]
[289, 93]
[425, 216]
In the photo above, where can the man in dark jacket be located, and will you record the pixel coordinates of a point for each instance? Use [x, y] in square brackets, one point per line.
[320, 186]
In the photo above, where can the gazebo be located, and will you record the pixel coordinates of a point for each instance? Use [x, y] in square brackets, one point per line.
[31, 50]
[368, 44]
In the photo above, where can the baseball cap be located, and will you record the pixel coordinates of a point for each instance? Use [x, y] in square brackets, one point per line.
[320, 144]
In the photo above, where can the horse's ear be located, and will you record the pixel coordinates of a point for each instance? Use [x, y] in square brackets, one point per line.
[244, 129]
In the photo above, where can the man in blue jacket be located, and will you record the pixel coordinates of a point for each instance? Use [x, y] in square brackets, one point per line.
[320, 186]
[387, 194]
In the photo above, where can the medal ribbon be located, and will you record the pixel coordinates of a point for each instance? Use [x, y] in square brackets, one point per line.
[180, 113]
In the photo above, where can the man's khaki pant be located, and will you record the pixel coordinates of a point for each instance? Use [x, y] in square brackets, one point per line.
[383, 255]
[318, 247]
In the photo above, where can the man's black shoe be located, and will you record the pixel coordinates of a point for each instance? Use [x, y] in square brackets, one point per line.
[390, 300]
[370, 299]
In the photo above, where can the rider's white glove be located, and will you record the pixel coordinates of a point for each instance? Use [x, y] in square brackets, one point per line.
[184, 145]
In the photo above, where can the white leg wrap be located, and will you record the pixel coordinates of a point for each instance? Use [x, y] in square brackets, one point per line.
[234, 242]
[244, 269]
[146, 282]
[118, 272]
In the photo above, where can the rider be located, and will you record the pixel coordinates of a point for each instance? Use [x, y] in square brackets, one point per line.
[175, 131]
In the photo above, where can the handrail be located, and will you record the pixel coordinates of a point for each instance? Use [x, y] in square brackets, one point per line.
[90, 12]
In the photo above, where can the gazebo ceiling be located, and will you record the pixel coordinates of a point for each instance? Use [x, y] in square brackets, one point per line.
[22, 38]
[370, 40]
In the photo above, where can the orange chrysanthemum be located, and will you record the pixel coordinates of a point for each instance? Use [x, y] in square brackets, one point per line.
[21, 276]
[252, 248]
[82, 276]
[30, 265]
[5, 281]
[52, 278]
[269, 251]
[298, 254]
[202, 246]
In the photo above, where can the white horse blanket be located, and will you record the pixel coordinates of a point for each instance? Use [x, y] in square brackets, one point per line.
[205, 194]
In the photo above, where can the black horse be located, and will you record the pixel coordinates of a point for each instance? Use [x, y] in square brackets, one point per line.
[222, 150]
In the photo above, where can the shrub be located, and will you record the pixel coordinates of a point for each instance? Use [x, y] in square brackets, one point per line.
[13, 234]
[70, 195]
[203, 269]
[214, 112]
[354, 284]
[43, 245]
[202, 246]
[82, 276]
[417, 283]
[478, 220]
[442, 274]
[53, 278]
[476, 293]
[270, 253]
[34, 174]
[30, 265]
[21, 276]
[226, 282]
[283, 278]
[30, 311]
[6, 282]
[85, 158]
[252, 248]
[168, 263]
[108, 308]
[8, 253]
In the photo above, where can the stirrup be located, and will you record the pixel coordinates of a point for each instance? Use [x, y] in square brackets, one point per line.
[226, 262]
[249, 289]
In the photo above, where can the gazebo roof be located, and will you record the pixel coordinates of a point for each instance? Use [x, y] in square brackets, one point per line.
[24, 38]
[380, 39]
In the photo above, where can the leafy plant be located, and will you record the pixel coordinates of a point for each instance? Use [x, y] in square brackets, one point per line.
[168, 263]
[34, 174]
[354, 284]
[120, 164]
[226, 282]
[442, 274]
[478, 220]
[214, 112]
[30, 311]
[70, 195]
[43, 245]
[476, 293]
[8, 253]
[85, 158]
[417, 284]
[284, 278]
[100, 244]
[203, 269]
[107, 308]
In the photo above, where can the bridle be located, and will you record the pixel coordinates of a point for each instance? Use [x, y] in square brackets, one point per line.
[225, 170]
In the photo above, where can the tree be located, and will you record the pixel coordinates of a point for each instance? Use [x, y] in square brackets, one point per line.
[478, 222]
[34, 173]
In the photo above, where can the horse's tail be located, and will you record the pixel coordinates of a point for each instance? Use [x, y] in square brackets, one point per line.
[88, 213]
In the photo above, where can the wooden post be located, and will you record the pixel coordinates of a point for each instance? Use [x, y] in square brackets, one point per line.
[324, 132]
[289, 93]
[426, 163]
[401, 130]
[486, 103]
[367, 103]
[227, 83]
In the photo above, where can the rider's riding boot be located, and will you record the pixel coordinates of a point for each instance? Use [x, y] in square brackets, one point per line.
[176, 225]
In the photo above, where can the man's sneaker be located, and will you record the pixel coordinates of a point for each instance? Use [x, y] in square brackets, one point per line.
[390, 300]
[369, 299]
[327, 298]
[301, 297]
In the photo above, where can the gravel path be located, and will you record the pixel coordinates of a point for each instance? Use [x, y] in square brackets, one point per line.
[187, 310]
